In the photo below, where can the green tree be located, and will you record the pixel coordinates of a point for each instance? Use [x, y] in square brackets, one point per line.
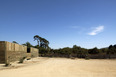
[115, 46]
[94, 51]
[38, 38]
[44, 43]
[28, 44]
[15, 42]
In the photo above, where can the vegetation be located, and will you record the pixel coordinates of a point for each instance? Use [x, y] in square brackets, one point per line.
[43, 45]
[42, 42]
[28, 44]
[7, 64]
[15, 42]
[22, 60]
[74, 52]
[77, 51]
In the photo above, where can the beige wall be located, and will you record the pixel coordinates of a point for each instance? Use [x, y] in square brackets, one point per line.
[10, 52]
[14, 52]
[34, 52]
[15, 47]
[2, 51]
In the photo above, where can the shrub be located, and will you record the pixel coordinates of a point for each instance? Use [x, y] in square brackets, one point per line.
[87, 58]
[22, 60]
[7, 64]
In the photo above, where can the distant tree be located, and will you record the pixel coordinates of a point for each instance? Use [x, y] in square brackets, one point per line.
[43, 45]
[115, 46]
[36, 46]
[110, 47]
[14, 42]
[76, 49]
[28, 44]
[94, 51]
[103, 50]
[67, 50]
[42, 42]
[38, 38]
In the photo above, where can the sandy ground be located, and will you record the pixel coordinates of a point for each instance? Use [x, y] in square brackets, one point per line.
[62, 67]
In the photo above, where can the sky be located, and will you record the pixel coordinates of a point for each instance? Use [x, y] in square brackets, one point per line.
[64, 23]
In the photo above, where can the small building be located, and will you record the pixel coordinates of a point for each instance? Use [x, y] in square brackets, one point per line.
[10, 52]
[32, 52]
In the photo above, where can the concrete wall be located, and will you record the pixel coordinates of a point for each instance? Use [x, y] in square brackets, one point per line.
[10, 52]
[28, 55]
[14, 52]
[34, 52]
[2, 51]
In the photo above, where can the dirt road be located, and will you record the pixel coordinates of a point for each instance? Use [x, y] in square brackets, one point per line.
[62, 67]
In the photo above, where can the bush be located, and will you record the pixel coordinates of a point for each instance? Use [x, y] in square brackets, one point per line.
[87, 58]
[28, 58]
[22, 60]
[7, 64]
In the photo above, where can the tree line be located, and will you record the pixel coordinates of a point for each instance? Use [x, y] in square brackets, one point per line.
[78, 52]
[74, 52]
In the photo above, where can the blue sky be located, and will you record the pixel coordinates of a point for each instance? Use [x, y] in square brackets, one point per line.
[86, 23]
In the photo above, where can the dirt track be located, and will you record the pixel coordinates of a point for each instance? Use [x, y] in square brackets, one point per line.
[62, 67]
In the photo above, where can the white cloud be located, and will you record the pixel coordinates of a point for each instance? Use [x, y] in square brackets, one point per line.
[96, 30]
